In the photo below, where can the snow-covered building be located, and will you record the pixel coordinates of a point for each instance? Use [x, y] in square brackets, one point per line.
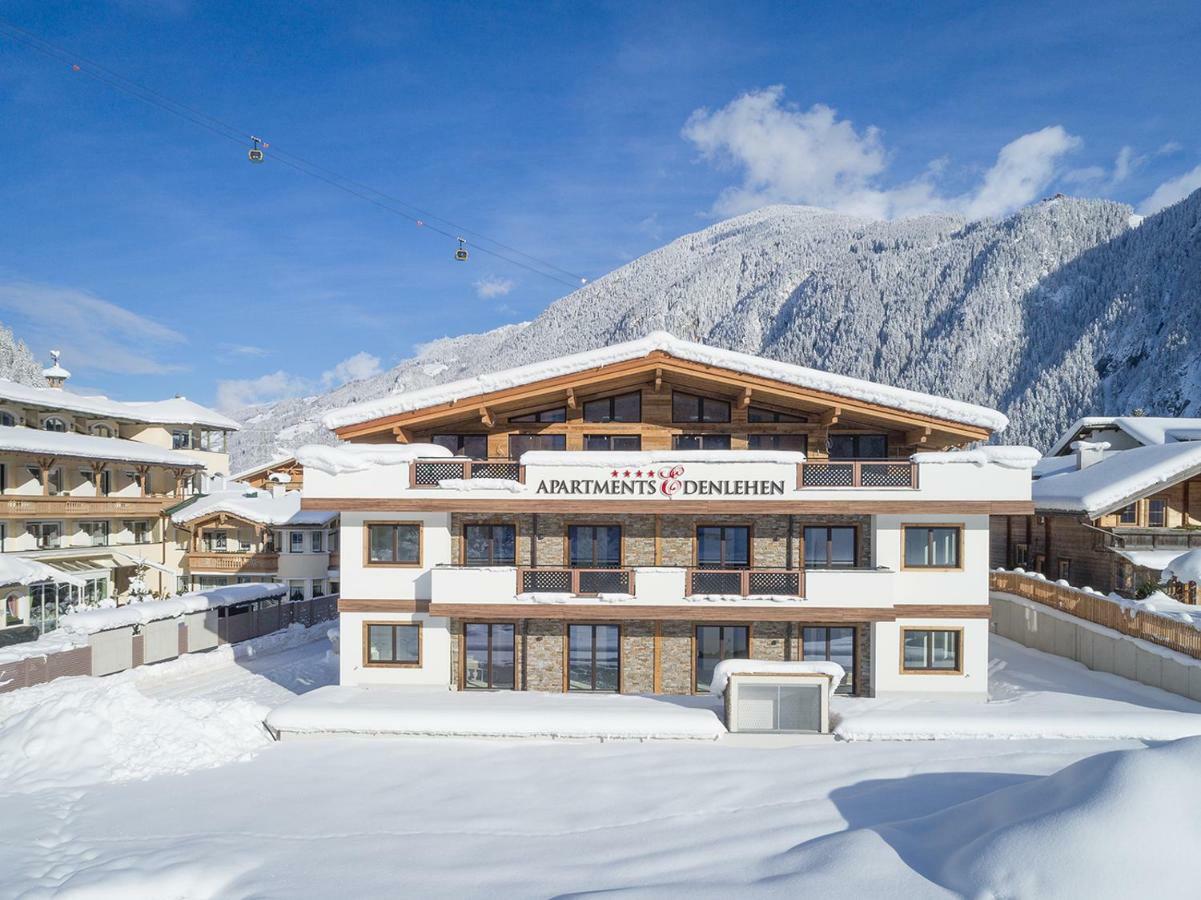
[84, 484]
[624, 519]
[1116, 499]
[281, 469]
[245, 534]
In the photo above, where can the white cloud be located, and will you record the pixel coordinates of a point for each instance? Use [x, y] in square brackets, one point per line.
[245, 350]
[238, 393]
[790, 155]
[353, 368]
[1126, 163]
[491, 286]
[94, 334]
[1171, 191]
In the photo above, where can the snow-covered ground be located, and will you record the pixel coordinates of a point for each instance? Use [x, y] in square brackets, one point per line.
[159, 783]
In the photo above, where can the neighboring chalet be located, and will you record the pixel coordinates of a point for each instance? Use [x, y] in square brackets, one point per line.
[623, 519]
[1115, 501]
[243, 534]
[283, 470]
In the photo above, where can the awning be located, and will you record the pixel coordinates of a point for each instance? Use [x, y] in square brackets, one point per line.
[133, 560]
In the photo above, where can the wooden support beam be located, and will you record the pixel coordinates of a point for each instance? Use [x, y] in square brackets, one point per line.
[745, 400]
[486, 417]
[830, 416]
[570, 398]
[658, 380]
[918, 436]
[402, 436]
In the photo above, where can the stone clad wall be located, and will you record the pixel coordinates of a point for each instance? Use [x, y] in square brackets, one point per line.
[769, 640]
[637, 657]
[544, 643]
[676, 658]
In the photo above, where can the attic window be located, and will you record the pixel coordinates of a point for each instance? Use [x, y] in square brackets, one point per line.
[558, 414]
[759, 414]
[692, 408]
[622, 408]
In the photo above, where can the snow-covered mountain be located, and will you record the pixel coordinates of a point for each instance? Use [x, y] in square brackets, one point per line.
[1065, 308]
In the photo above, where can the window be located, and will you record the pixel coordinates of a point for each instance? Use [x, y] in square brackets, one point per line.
[858, 446]
[1064, 569]
[391, 645]
[106, 481]
[245, 540]
[759, 414]
[700, 442]
[333, 540]
[624, 442]
[394, 544]
[102, 430]
[715, 643]
[54, 423]
[1157, 512]
[318, 587]
[1021, 555]
[141, 531]
[1128, 515]
[490, 545]
[930, 650]
[135, 478]
[622, 408]
[334, 585]
[296, 542]
[295, 589]
[593, 657]
[316, 541]
[830, 547]
[594, 546]
[216, 541]
[47, 535]
[212, 440]
[474, 446]
[523, 443]
[488, 659]
[831, 645]
[3, 478]
[558, 414]
[691, 408]
[54, 479]
[723, 546]
[96, 533]
[181, 440]
[7, 418]
[797, 442]
[931, 547]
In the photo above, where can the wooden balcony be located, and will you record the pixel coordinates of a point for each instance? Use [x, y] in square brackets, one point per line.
[225, 562]
[746, 582]
[857, 473]
[584, 582]
[62, 507]
[1131, 538]
[428, 472]
[335, 560]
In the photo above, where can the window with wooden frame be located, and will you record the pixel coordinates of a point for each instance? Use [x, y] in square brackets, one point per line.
[474, 446]
[715, 643]
[621, 408]
[1063, 569]
[621, 442]
[524, 443]
[830, 546]
[7, 418]
[858, 446]
[594, 658]
[832, 644]
[695, 408]
[594, 546]
[488, 656]
[490, 544]
[1021, 555]
[931, 546]
[932, 650]
[393, 544]
[1128, 515]
[700, 442]
[555, 414]
[395, 644]
[723, 546]
[761, 414]
[296, 542]
[795, 442]
[1157, 512]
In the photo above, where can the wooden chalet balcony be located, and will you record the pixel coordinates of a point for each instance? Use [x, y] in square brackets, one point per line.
[428, 472]
[222, 561]
[564, 580]
[746, 582]
[41, 507]
[857, 473]
[1132, 538]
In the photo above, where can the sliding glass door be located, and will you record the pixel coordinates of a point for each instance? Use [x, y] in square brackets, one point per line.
[593, 657]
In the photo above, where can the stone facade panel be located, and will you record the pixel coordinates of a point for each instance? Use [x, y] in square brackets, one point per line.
[637, 657]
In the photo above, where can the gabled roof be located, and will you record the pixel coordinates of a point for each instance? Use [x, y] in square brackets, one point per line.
[1118, 479]
[18, 439]
[660, 343]
[177, 411]
[244, 502]
[278, 462]
[1146, 430]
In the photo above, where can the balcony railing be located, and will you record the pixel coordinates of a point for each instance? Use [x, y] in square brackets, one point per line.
[224, 561]
[428, 472]
[562, 580]
[34, 506]
[857, 473]
[746, 582]
[1156, 539]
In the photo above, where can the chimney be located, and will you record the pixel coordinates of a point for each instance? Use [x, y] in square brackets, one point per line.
[56, 376]
[1089, 452]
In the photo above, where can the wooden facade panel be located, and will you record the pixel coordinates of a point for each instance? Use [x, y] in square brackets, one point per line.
[608, 612]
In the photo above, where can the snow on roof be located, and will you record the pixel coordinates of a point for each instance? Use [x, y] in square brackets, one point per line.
[344, 458]
[263, 467]
[55, 371]
[1010, 457]
[17, 570]
[18, 439]
[1149, 559]
[1147, 430]
[1186, 567]
[90, 621]
[799, 376]
[253, 505]
[727, 667]
[178, 411]
[1117, 479]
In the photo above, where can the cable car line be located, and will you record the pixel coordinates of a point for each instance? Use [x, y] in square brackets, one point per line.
[380, 199]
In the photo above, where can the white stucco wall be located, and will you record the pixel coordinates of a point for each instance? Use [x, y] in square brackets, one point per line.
[435, 651]
[888, 680]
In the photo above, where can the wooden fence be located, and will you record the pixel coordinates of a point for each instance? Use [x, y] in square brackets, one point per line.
[1179, 636]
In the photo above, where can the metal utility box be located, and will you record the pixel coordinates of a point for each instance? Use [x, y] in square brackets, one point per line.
[160, 640]
[795, 703]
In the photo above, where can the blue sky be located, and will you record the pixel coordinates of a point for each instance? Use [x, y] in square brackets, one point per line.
[162, 262]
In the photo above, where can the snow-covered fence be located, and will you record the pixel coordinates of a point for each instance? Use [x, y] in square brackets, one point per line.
[105, 641]
[1123, 617]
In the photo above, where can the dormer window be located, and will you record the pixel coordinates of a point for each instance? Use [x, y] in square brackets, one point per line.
[102, 431]
[622, 408]
[54, 423]
[558, 414]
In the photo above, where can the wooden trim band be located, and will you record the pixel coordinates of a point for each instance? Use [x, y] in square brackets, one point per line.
[661, 507]
[608, 612]
[943, 611]
[347, 605]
